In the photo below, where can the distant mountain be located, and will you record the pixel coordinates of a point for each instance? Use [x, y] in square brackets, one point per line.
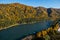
[16, 13]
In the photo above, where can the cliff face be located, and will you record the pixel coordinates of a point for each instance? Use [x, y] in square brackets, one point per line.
[18, 13]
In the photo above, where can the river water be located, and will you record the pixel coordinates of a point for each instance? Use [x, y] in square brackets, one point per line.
[19, 31]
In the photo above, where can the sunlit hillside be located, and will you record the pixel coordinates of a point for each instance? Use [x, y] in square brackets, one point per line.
[15, 13]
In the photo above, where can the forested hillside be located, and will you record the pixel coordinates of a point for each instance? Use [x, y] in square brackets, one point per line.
[14, 13]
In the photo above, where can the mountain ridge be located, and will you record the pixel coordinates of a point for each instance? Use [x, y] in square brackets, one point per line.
[19, 13]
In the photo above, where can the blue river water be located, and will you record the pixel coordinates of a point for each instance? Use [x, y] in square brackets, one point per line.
[19, 31]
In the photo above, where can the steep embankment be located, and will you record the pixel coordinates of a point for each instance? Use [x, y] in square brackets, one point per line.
[11, 14]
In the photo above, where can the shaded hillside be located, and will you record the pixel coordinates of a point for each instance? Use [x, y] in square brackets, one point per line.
[11, 14]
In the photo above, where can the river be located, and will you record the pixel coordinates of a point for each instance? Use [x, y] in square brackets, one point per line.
[20, 30]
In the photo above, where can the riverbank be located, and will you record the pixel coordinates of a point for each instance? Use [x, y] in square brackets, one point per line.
[9, 26]
[16, 25]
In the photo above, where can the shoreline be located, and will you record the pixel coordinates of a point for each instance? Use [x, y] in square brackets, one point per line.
[14, 25]
[9, 26]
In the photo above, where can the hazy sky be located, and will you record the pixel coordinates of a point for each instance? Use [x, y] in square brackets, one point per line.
[35, 3]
